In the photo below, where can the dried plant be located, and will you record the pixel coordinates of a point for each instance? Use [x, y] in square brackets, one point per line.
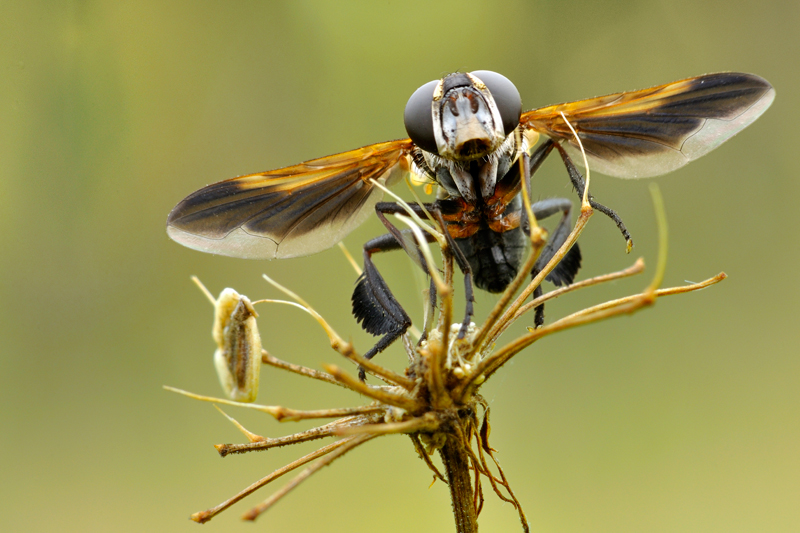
[436, 402]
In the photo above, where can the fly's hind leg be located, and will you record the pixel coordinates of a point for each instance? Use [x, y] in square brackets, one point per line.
[565, 271]
[374, 305]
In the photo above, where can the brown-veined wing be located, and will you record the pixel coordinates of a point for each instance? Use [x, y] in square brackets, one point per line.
[653, 131]
[292, 211]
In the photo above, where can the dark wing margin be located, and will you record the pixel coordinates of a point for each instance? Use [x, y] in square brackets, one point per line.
[650, 132]
[292, 211]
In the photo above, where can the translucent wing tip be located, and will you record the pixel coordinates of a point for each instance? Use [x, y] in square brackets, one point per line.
[716, 131]
[655, 131]
[237, 243]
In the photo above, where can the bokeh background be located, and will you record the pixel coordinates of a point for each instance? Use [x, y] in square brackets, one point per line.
[683, 417]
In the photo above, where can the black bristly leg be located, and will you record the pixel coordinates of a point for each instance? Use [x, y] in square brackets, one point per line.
[580, 184]
[564, 273]
[406, 241]
[384, 208]
[374, 305]
[530, 164]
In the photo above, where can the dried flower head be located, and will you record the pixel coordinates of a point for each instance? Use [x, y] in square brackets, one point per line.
[238, 355]
[436, 402]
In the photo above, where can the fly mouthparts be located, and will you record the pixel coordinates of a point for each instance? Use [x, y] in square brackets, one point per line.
[473, 149]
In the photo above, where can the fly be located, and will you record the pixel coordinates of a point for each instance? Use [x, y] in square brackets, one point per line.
[467, 133]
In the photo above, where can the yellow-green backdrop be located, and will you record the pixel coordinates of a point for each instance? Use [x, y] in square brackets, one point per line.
[684, 417]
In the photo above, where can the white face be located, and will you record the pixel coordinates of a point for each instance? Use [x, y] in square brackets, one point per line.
[466, 122]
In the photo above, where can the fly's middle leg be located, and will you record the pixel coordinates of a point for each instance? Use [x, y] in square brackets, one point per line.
[565, 271]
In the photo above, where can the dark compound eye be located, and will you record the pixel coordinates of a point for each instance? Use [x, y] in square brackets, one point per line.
[418, 118]
[419, 121]
[505, 95]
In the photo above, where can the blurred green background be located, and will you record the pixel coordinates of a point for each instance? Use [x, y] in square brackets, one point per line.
[683, 417]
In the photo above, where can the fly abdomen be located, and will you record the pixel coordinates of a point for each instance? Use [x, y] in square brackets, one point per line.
[494, 257]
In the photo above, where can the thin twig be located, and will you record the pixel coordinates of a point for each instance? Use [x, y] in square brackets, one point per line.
[514, 308]
[320, 432]
[283, 413]
[538, 241]
[446, 297]
[434, 353]
[586, 212]
[376, 393]
[349, 258]
[252, 437]
[377, 370]
[592, 314]
[204, 516]
[269, 359]
[334, 337]
[425, 457]
[483, 445]
[349, 444]
[636, 268]
[427, 423]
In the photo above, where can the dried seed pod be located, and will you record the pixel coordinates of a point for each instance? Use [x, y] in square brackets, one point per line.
[238, 356]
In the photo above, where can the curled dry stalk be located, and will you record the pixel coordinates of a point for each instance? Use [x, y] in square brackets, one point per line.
[436, 402]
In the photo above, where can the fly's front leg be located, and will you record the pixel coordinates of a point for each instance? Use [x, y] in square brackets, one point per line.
[463, 264]
[580, 185]
[530, 164]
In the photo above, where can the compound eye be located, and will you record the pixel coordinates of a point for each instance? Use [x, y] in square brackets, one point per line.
[505, 95]
[419, 119]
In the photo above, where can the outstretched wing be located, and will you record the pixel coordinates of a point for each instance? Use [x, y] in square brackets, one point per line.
[645, 133]
[291, 211]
